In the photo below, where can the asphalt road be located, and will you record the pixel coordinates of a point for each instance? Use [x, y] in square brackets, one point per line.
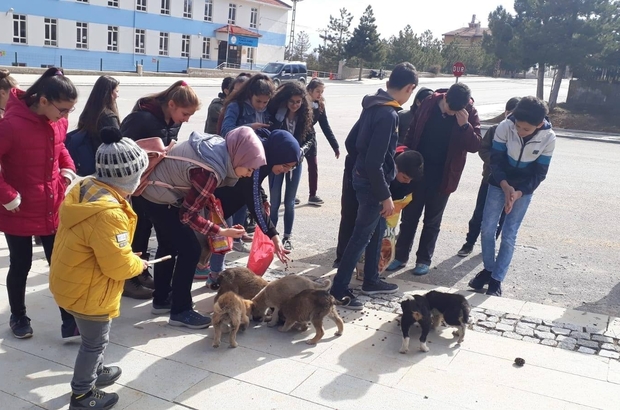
[568, 249]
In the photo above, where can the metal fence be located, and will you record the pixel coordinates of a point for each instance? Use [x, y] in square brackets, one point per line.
[608, 75]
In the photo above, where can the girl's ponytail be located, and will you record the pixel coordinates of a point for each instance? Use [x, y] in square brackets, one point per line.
[52, 85]
[6, 81]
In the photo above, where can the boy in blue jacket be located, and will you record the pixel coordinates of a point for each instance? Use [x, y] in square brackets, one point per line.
[522, 148]
[375, 135]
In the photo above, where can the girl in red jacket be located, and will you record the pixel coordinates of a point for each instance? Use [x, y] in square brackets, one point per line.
[35, 171]
[7, 83]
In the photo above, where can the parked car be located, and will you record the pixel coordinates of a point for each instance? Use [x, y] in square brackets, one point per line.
[286, 71]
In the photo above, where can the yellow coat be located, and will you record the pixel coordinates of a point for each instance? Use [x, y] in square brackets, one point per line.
[92, 253]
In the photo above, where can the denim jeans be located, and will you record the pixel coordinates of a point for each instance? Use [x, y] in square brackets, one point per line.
[475, 223]
[89, 362]
[275, 196]
[367, 235]
[493, 208]
[348, 213]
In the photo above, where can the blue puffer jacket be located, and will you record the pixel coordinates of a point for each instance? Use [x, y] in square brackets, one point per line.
[234, 118]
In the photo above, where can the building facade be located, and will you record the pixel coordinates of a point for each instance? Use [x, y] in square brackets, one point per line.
[470, 36]
[162, 35]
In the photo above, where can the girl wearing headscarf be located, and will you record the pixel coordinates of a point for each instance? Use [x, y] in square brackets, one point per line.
[176, 211]
[283, 154]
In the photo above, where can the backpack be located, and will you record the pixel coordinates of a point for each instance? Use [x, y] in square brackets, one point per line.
[82, 152]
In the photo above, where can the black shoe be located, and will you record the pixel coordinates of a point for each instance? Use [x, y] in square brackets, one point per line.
[108, 376]
[134, 289]
[69, 329]
[482, 278]
[287, 244]
[146, 280]
[297, 201]
[93, 400]
[350, 301]
[20, 326]
[466, 250]
[315, 200]
[380, 288]
[250, 224]
[336, 264]
[495, 288]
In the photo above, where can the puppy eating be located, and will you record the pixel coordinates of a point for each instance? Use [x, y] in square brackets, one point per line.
[230, 309]
[312, 305]
[277, 292]
[429, 311]
[241, 281]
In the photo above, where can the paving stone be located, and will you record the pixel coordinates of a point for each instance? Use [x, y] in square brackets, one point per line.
[512, 335]
[530, 325]
[543, 328]
[544, 335]
[560, 331]
[529, 319]
[569, 326]
[609, 354]
[566, 339]
[588, 343]
[494, 319]
[601, 338]
[480, 329]
[609, 346]
[611, 333]
[596, 330]
[549, 323]
[488, 325]
[511, 316]
[549, 342]
[567, 346]
[477, 309]
[511, 322]
[531, 339]
[524, 330]
[494, 333]
[477, 316]
[504, 328]
[580, 335]
[491, 312]
[586, 350]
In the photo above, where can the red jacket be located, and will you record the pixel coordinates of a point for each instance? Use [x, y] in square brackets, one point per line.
[462, 141]
[32, 155]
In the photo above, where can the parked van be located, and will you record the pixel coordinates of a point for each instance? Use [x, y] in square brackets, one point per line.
[286, 71]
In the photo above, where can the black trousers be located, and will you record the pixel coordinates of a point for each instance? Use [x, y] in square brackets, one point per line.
[348, 213]
[143, 232]
[20, 263]
[475, 222]
[175, 275]
[429, 200]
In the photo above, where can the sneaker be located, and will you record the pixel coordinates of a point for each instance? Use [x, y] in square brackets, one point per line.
[162, 308]
[246, 238]
[108, 376]
[20, 326]
[189, 318]
[134, 289]
[466, 250]
[37, 240]
[69, 329]
[241, 247]
[250, 224]
[146, 280]
[395, 265]
[421, 269]
[354, 303]
[482, 278]
[336, 264]
[315, 200]
[93, 400]
[495, 288]
[287, 244]
[297, 201]
[379, 288]
[212, 280]
[202, 272]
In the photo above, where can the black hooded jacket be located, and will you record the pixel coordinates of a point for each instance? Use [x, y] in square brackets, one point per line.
[149, 121]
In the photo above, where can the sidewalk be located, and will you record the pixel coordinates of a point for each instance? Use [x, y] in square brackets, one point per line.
[176, 368]
[574, 134]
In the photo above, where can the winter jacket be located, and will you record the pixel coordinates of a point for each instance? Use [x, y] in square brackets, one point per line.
[375, 136]
[33, 164]
[306, 142]
[485, 153]
[213, 115]
[92, 254]
[522, 162]
[462, 140]
[234, 118]
[320, 116]
[149, 121]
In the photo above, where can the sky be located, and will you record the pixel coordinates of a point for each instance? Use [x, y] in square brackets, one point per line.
[440, 16]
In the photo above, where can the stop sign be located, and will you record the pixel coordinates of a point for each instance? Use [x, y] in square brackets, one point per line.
[458, 69]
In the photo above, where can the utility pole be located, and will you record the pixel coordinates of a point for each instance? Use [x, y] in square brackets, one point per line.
[292, 33]
[324, 32]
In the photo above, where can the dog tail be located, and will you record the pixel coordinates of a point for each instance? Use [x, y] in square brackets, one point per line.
[325, 284]
[343, 302]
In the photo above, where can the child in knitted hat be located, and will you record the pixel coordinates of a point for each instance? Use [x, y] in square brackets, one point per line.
[93, 258]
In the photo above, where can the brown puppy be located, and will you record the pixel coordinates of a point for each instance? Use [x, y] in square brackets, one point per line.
[279, 291]
[241, 281]
[312, 305]
[230, 309]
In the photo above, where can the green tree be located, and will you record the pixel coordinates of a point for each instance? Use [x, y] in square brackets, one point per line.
[404, 47]
[503, 43]
[365, 45]
[430, 51]
[475, 59]
[335, 37]
[301, 47]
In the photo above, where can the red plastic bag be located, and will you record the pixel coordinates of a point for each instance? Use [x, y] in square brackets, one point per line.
[261, 253]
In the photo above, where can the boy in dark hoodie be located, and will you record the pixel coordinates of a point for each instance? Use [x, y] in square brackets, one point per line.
[445, 127]
[371, 145]
[405, 116]
[216, 106]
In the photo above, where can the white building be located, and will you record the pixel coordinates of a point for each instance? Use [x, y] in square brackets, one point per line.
[163, 35]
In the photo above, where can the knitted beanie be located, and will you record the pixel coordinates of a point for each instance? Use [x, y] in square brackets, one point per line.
[119, 161]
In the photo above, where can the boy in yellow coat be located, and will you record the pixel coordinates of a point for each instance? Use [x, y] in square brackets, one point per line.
[93, 258]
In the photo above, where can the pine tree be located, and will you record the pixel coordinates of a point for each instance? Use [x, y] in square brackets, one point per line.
[365, 44]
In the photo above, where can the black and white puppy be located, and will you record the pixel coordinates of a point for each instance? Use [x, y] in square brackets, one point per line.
[429, 311]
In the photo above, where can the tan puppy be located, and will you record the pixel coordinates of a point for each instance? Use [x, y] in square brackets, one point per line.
[279, 291]
[241, 281]
[230, 309]
[312, 305]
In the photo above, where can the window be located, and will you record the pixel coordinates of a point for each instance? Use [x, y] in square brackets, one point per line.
[82, 1]
[254, 18]
[208, 10]
[187, 9]
[141, 5]
[251, 55]
[19, 29]
[163, 44]
[232, 13]
[140, 37]
[82, 35]
[165, 7]
[51, 38]
[185, 45]
[206, 48]
[112, 38]
[112, 3]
